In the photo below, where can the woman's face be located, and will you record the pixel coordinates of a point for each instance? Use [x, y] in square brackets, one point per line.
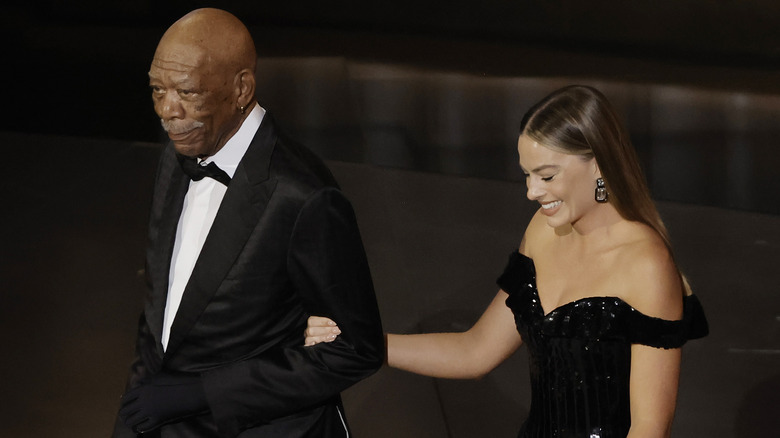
[563, 184]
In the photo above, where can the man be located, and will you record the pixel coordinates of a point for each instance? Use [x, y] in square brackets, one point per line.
[237, 260]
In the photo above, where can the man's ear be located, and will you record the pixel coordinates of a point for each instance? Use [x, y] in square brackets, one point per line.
[245, 87]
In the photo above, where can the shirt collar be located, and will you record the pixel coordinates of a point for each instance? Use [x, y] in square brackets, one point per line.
[230, 155]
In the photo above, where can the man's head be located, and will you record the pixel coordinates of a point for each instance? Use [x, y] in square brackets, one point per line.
[202, 79]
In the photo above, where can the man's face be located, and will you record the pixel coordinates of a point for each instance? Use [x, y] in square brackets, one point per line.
[193, 98]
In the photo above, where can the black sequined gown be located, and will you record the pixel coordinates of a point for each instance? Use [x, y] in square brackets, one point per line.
[580, 355]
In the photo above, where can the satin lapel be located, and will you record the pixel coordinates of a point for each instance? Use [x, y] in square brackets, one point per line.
[166, 210]
[240, 211]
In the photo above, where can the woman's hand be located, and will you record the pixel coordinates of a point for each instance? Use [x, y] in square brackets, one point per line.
[320, 329]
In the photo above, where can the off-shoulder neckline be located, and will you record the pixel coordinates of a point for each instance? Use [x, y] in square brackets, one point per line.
[561, 307]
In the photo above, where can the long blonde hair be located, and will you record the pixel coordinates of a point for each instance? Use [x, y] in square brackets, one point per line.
[580, 120]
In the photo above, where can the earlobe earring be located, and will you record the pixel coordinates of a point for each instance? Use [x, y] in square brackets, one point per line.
[242, 109]
[601, 191]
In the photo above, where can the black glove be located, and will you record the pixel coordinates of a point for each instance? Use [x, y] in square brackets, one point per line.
[162, 398]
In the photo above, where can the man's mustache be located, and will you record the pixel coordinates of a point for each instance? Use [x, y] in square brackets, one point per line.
[180, 126]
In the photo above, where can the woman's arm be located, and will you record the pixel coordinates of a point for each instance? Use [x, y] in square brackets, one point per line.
[655, 372]
[465, 355]
[653, 390]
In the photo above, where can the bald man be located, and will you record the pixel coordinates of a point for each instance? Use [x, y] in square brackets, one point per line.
[248, 235]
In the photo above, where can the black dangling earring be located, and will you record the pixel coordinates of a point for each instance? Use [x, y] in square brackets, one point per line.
[601, 191]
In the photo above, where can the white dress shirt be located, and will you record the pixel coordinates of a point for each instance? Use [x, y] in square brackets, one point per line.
[200, 208]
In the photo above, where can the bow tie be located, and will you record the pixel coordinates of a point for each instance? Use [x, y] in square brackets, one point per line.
[197, 172]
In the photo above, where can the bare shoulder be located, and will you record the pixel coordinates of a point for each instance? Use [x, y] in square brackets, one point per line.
[536, 234]
[646, 265]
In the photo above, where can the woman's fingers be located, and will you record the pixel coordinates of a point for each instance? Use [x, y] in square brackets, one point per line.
[320, 329]
[318, 332]
[320, 321]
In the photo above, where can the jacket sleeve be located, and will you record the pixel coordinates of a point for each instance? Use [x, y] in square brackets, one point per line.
[328, 269]
[139, 369]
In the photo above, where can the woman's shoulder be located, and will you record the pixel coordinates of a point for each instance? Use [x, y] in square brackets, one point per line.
[645, 263]
[640, 248]
[536, 234]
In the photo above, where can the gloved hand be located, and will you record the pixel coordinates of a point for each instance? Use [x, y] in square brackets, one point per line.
[162, 398]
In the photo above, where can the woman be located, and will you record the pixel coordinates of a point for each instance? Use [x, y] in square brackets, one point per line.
[593, 291]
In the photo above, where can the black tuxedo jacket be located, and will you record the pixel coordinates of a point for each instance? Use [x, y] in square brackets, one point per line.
[284, 245]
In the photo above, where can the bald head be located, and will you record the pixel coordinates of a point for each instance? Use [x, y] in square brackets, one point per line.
[211, 37]
[203, 80]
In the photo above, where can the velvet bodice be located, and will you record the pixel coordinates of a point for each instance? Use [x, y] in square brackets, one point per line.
[580, 355]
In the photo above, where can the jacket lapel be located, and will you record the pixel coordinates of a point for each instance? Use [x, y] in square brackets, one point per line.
[241, 209]
[166, 211]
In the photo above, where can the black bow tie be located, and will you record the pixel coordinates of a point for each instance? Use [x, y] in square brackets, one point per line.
[197, 172]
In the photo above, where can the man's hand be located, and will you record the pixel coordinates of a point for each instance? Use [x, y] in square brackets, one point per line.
[162, 398]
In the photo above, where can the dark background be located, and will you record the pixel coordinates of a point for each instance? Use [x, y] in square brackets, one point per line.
[88, 59]
[79, 69]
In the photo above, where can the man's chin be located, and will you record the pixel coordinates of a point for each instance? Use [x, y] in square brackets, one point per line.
[187, 149]
[187, 143]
